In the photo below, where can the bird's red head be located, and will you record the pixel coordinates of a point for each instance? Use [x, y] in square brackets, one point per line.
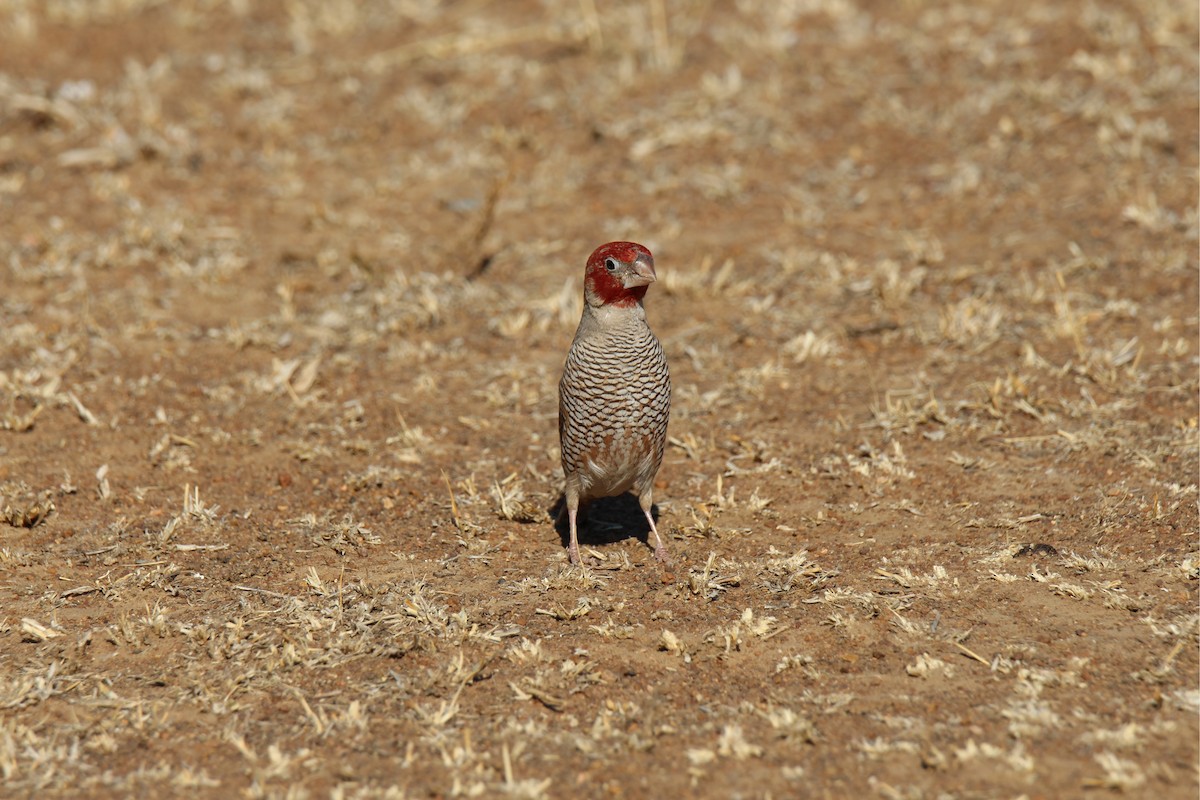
[618, 274]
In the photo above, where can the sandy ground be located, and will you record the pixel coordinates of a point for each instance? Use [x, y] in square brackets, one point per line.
[285, 289]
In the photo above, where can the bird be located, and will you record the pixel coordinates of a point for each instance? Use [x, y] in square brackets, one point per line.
[614, 398]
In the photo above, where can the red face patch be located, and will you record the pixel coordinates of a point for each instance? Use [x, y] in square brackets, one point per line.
[607, 268]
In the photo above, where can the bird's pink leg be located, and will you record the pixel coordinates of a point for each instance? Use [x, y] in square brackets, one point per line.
[572, 513]
[660, 549]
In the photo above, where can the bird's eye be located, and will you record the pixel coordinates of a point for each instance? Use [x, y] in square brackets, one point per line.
[610, 264]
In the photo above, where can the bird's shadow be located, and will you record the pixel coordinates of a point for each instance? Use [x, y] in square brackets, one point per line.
[605, 520]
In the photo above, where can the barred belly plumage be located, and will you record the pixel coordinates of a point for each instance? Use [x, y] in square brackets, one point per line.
[615, 396]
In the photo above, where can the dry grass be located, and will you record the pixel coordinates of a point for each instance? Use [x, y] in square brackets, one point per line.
[286, 290]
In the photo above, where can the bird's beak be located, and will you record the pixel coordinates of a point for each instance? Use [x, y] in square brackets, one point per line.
[641, 274]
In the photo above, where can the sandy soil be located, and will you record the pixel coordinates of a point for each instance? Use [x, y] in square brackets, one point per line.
[286, 288]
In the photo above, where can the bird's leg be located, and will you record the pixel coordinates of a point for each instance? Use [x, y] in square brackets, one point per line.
[660, 549]
[572, 504]
[573, 547]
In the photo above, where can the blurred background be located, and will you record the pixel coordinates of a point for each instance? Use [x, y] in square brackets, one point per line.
[928, 286]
